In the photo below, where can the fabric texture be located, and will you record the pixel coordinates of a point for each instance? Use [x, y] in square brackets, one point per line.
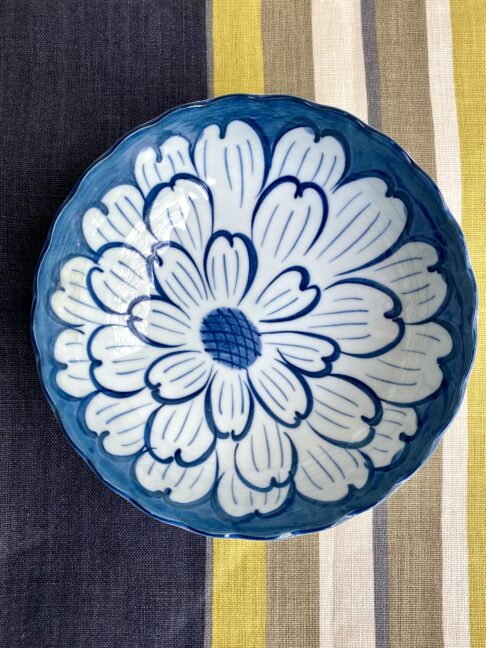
[81, 567]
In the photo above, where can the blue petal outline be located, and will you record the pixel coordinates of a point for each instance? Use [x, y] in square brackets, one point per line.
[327, 360]
[177, 456]
[134, 318]
[298, 416]
[438, 267]
[95, 363]
[165, 494]
[303, 286]
[392, 314]
[252, 257]
[300, 188]
[154, 387]
[156, 259]
[98, 268]
[223, 127]
[236, 521]
[219, 434]
[442, 362]
[273, 482]
[372, 421]
[154, 192]
[319, 134]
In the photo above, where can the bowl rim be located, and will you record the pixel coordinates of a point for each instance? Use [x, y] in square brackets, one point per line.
[469, 274]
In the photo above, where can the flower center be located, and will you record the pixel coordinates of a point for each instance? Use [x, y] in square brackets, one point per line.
[230, 338]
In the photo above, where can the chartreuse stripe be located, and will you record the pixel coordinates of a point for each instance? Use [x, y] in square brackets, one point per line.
[239, 594]
[469, 56]
[237, 47]
[239, 587]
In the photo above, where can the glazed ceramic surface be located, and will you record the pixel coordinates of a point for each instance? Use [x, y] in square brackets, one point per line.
[254, 316]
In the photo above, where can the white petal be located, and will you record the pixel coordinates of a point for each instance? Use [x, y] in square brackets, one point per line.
[180, 374]
[325, 471]
[120, 221]
[229, 268]
[363, 222]
[70, 349]
[182, 213]
[407, 273]
[279, 390]
[298, 154]
[123, 420]
[181, 431]
[342, 412]
[287, 222]
[387, 442]
[264, 457]
[232, 165]
[181, 484]
[121, 278]
[159, 322]
[306, 352]
[235, 497]
[179, 278]
[287, 297]
[123, 358]
[410, 371]
[174, 159]
[231, 401]
[356, 316]
[73, 302]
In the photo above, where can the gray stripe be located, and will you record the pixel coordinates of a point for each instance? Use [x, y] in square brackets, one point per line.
[372, 66]
[382, 585]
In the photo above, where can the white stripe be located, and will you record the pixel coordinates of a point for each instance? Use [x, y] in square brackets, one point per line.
[354, 610]
[326, 595]
[339, 69]
[442, 97]
[455, 587]
[347, 613]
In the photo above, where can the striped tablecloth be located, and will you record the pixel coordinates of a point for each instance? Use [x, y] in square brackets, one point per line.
[82, 568]
[412, 572]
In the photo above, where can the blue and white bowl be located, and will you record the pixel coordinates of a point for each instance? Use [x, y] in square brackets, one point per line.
[254, 317]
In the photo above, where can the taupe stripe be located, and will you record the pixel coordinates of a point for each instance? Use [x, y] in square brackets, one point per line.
[293, 593]
[414, 512]
[287, 47]
[406, 112]
[292, 565]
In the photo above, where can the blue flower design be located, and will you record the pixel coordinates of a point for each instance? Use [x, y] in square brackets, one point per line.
[244, 329]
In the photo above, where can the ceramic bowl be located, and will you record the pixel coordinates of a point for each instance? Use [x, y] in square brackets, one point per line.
[254, 317]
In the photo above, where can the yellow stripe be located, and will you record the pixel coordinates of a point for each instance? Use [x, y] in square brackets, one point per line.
[239, 575]
[469, 53]
[238, 604]
[239, 594]
[237, 47]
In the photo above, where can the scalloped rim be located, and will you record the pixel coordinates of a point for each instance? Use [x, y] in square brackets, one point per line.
[445, 210]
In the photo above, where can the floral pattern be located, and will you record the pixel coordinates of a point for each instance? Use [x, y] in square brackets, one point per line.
[247, 328]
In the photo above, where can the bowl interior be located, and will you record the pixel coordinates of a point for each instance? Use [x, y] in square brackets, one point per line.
[247, 317]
